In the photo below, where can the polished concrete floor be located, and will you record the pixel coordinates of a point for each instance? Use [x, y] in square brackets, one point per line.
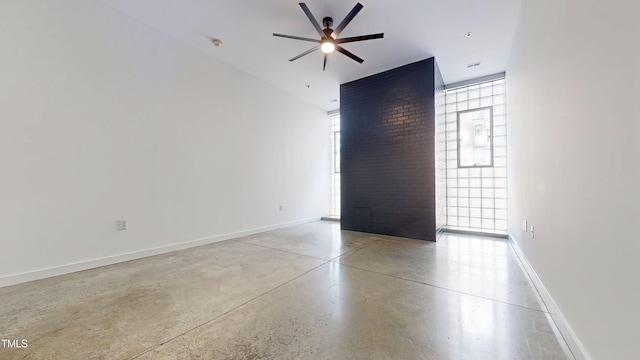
[305, 292]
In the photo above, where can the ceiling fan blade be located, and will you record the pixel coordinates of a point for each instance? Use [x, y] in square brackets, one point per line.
[324, 64]
[296, 37]
[356, 9]
[305, 53]
[349, 54]
[313, 20]
[359, 38]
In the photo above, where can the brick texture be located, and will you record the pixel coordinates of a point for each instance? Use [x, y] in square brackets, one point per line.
[388, 152]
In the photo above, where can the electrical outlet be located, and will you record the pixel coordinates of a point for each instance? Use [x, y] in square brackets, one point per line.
[123, 225]
[524, 225]
[532, 231]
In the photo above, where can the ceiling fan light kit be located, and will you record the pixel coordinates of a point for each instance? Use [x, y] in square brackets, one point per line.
[327, 46]
[329, 37]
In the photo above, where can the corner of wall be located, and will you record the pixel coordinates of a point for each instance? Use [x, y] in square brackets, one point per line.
[440, 151]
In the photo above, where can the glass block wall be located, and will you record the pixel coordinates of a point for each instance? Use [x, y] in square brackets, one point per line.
[440, 153]
[334, 164]
[477, 197]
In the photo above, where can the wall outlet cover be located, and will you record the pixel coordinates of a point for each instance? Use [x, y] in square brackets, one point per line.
[123, 225]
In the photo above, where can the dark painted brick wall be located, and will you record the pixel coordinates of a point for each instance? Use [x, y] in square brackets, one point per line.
[387, 152]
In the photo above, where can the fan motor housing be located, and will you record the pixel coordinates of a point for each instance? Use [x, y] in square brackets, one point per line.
[327, 22]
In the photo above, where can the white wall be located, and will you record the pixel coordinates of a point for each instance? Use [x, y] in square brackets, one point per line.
[574, 163]
[102, 119]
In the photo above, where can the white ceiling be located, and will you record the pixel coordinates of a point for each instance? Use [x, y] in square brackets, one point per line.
[413, 30]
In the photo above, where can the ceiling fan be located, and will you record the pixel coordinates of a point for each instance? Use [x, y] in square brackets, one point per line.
[328, 37]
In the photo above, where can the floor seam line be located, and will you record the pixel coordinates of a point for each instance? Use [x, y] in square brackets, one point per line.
[447, 289]
[284, 251]
[435, 247]
[350, 251]
[230, 310]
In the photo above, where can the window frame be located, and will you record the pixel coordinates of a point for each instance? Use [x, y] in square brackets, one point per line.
[458, 113]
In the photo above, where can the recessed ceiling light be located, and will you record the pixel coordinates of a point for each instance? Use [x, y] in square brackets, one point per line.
[216, 42]
[468, 34]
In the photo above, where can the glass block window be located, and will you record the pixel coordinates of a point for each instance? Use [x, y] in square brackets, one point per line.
[334, 164]
[477, 196]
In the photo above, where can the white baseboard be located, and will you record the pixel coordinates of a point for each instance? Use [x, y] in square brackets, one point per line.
[577, 349]
[109, 260]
